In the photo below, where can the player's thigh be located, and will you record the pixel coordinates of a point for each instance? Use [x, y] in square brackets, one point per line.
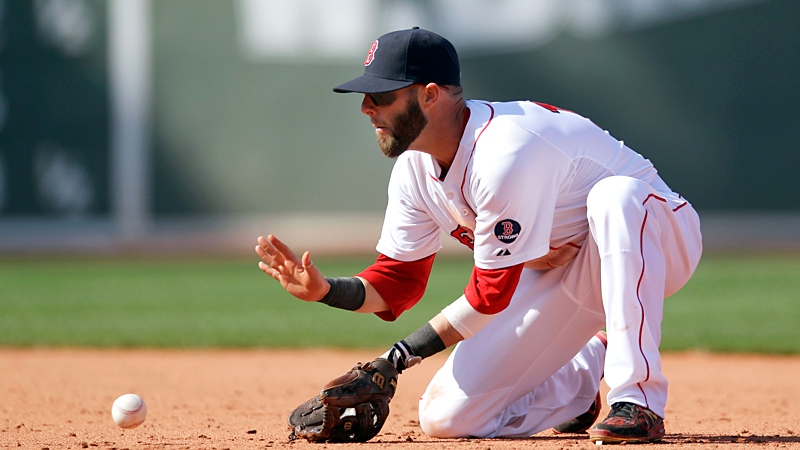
[681, 241]
[540, 323]
[543, 328]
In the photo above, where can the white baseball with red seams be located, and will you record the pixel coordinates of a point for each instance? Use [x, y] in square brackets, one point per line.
[129, 411]
[527, 180]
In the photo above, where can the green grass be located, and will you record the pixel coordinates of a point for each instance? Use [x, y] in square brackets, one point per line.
[188, 303]
[734, 303]
[737, 303]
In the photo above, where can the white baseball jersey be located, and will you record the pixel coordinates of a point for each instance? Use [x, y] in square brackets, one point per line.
[528, 177]
[517, 186]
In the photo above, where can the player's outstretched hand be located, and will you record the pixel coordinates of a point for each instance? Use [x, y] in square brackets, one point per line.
[300, 277]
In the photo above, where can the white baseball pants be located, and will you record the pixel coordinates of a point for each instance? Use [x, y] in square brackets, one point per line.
[536, 364]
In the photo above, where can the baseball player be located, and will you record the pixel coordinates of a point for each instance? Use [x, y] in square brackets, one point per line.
[572, 232]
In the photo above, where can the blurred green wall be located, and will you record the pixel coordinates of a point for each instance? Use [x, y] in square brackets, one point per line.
[710, 100]
[54, 117]
[237, 137]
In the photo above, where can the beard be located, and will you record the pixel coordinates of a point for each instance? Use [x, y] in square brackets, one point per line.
[405, 129]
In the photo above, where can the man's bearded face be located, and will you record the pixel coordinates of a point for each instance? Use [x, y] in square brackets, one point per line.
[405, 128]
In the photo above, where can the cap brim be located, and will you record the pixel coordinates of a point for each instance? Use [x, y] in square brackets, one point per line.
[368, 84]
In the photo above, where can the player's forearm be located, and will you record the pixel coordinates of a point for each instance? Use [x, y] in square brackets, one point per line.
[373, 302]
[455, 323]
[464, 318]
[428, 340]
[353, 294]
[417, 346]
[447, 333]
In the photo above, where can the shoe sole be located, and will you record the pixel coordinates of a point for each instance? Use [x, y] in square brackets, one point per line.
[603, 436]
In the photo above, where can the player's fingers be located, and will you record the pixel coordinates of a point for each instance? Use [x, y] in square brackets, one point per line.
[262, 254]
[307, 260]
[309, 267]
[276, 263]
[269, 270]
[305, 264]
[283, 249]
[290, 261]
[267, 247]
[269, 254]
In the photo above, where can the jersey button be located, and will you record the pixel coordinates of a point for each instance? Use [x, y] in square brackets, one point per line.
[464, 212]
[449, 195]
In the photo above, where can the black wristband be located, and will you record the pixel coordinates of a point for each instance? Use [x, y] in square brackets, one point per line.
[417, 346]
[346, 293]
[424, 342]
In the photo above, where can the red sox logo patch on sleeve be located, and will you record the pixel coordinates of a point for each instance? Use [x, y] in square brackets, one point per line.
[507, 230]
[371, 54]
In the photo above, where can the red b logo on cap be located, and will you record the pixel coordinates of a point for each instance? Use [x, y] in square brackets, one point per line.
[371, 54]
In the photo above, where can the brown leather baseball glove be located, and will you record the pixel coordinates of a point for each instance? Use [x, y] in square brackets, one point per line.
[350, 408]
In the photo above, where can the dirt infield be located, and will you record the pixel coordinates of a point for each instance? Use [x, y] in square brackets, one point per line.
[215, 399]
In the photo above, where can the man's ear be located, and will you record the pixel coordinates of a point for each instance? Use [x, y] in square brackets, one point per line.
[429, 95]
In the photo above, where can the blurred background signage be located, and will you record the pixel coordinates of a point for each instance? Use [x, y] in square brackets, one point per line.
[136, 121]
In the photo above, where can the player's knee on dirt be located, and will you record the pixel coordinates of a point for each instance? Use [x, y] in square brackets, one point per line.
[438, 419]
[450, 417]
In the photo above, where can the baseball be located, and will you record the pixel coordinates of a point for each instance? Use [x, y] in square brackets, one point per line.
[129, 411]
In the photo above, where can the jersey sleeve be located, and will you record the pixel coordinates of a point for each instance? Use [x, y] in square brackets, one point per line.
[400, 284]
[490, 290]
[515, 194]
[409, 233]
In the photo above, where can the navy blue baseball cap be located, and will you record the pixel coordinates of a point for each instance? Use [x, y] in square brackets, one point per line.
[402, 58]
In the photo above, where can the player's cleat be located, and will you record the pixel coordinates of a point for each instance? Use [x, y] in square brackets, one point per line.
[583, 422]
[628, 422]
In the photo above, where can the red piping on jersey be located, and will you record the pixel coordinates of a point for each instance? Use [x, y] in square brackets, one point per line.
[639, 285]
[664, 200]
[473, 150]
[646, 403]
[551, 108]
[641, 305]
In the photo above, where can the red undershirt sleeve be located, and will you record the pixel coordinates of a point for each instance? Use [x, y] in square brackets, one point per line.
[401, 284]
[490, 290]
